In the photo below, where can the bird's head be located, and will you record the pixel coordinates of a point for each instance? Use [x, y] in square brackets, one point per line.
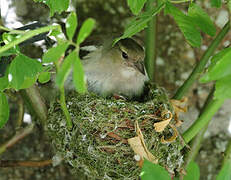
[130, 53]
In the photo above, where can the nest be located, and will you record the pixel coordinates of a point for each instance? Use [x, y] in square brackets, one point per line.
[97, 146]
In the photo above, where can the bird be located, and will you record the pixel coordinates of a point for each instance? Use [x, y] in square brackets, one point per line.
[116, 70]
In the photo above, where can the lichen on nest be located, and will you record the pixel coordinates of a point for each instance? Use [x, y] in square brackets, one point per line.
[97, 146]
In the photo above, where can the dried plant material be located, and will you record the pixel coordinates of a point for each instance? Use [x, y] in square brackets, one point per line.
[160, 126]
[117, 137]
[179, 106]
[172, 138]
[178, 122]
[180, 103]
[139, 147]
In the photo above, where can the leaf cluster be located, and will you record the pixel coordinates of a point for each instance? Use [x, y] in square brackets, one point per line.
[24, 71]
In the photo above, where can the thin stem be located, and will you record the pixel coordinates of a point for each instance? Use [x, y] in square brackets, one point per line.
[62, 98]
[195, 144]
[150, 43]
[27, 35]
[18, 136]
[227, 154]
[224, 172]
[20, 111]
[14, 163]
[64, 108]
[36, 102]
[207, 114]
[202, 63]
[180, 1]
[12, 31]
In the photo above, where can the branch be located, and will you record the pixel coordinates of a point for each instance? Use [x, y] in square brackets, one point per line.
[150, 43]
[14, 163]
[18, 136]
[36, 102]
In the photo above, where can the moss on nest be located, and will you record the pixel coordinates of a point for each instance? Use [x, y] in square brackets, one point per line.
[97, 147]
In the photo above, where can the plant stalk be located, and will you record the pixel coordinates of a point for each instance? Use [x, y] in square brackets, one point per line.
[202, 63]
[62, 98]
[150, 43]
[195, 144]
[18, 136]
[36, 102]
[208, 112]
[227, 157]
[64, 108]
[14, 163]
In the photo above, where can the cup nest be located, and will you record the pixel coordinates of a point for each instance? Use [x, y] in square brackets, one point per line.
[97, 146]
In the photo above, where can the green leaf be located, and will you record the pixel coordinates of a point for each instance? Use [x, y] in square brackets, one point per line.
[201, 19]
[78, 76]
[215, 3]
[21, 68]
[225, 173]
[10, 52]
[55, 32]
[44, 77]
[54, 53]
[4, 110]
[4, 81]
[57, 5]
[85, 30]
[7, 38]
[139, 23]
[152, 171]
[65, 69]
[136, 5]
[71, 25]
[229, 6]
[193, 172]
[185, 24]
[28, 82]
[220, 66]
[223, 88]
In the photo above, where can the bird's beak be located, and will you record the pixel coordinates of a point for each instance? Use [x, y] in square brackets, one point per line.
[140, 67]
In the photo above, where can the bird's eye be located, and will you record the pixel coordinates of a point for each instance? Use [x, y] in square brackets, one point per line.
[124, 55]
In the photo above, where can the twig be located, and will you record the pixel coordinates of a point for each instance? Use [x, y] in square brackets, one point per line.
[64, 108]
[18, 136]
[36, 102]
[208, 112]
[195, 144]
[150, 43]
[20, 111]
[15, 163]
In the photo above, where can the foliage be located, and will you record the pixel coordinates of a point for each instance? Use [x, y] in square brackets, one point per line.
[55, 5]
[215, 3]
[193, 172]
[225, 172]
[152, 171]
[33, 69]
[140, 22]
[136, 5]
[219, 71]
[4, 109]
[191, 24]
